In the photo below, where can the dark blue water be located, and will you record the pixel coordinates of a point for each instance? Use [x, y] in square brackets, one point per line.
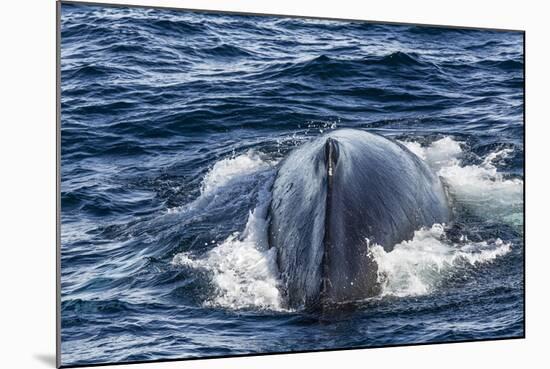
[172, 125]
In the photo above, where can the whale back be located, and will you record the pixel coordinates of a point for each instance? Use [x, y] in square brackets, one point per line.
[335, 195]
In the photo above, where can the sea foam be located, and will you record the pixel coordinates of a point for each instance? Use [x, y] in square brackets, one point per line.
[242, 268]
[416, 267]
[481, 188]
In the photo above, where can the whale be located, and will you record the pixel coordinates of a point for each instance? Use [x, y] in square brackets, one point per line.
[336, 196]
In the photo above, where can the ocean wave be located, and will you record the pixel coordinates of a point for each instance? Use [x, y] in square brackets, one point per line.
[399, 58]
[227, 51]
[439, 31]
[81, 306]
[99, 71]
[177, 27]
[507, 65]
[299, 24]
[330, 67]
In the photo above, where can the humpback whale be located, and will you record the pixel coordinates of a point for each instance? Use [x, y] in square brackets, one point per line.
[335, 195]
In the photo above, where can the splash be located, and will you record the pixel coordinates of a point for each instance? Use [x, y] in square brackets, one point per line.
[418, 266]
[232, 169]
[223, 180]
[242, 268]
[480, 188]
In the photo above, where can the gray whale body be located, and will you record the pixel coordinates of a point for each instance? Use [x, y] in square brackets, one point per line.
[332, 194]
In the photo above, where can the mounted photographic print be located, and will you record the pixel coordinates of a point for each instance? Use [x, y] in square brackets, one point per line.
[238, 184]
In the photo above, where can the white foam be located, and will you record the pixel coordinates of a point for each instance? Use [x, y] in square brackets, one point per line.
[242, 268]
[440, 154]
[416, 267]
[227, 170]
[481, 188]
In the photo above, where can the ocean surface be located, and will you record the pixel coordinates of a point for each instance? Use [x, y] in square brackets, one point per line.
[172, 125]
